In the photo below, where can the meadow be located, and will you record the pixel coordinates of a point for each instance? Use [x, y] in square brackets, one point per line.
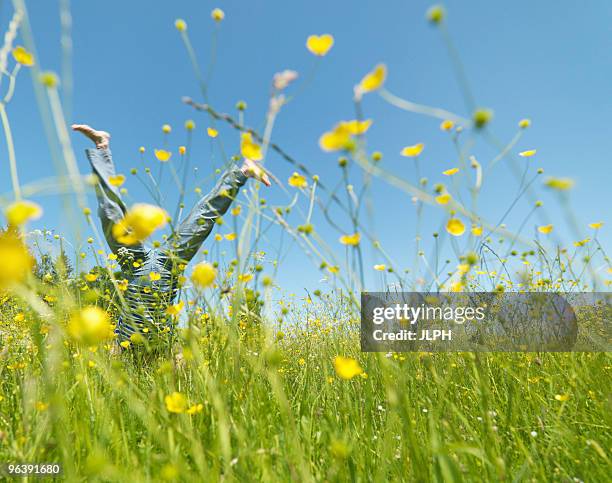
[253, 383]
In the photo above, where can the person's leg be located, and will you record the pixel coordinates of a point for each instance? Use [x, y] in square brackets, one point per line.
[111, 208]
[192, 232]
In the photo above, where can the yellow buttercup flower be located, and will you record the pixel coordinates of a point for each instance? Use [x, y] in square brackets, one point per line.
[447, 125]
[336, 140]
[455, 227]
[524, 123]
[582, 243]
[476, 230]
[297, 181]
[116, 180]
[21, 55]
[17, 262]
[175, 309]
[347, 367]
[381, 267]
[139, 223]
[90, 326]
[180, 25]
[245, 278]
[596, 226]
[91, 277]
[560, 184]
[561, 397]
[166, 129]
[250, 149]
[545, 229]
[355, 127]
[176, 402]
[203, 275]
[195, 409]
[443, 199]
[230, 236]
[527, 154]
[450, 172]
[320, 45]
[154, 276]
[182, 150]
[190, 124]
[20, 212]
[351, 240]
[162, 155]
[125, 344]
[237, 210]
[413, 151]
[217, 14]
[212, 132]
[372, 80]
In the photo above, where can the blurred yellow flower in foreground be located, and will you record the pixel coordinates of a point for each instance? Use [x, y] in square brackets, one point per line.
[195, 409]
[320, 45]
[476, 230]
[443, 199]
[596, 226]
[162, 155]
[412, 151]
[217, 14]
[455, 227]
[154, 276]
[231, 236]
[249, 149]
[450, 172]
[527, 154]
[545, 229]
[335, 140]
[355, 127]
[180, 25]
[340, 137]
[203, 275]
[352, 240]
[139, 223]
[381, 267]
[116, 180]
[90, 326]
[372, 80]
[17, 262]
[21, 55]
[297, 181]
[20, 212]
[175, 309]
[347, 367]
[176, 402]
[582, 243]
[245, 277]
[562, 397]
[447, 125]
[212, 132]
[561, 184]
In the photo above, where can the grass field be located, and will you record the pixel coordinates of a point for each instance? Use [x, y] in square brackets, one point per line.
[255, 384]
[256, 407]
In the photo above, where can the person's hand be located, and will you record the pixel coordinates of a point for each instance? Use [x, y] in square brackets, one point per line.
[253, 170]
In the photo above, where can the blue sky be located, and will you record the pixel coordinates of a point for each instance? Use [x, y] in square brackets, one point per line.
[548, 61]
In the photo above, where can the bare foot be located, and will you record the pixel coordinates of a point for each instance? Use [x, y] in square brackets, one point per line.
[253, 170]
[100, 138]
